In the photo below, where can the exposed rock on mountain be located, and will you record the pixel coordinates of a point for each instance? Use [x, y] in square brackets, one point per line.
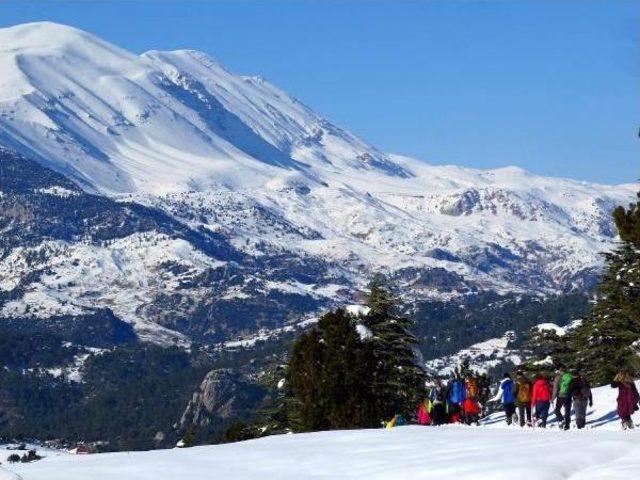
[221, 396]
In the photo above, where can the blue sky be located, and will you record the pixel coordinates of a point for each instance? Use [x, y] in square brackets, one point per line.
[552, 86]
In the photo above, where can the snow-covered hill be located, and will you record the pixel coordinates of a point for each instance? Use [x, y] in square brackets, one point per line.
[482, 356]
[235, 157]
[451, 452]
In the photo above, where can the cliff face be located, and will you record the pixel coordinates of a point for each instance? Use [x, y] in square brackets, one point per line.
[222, 396]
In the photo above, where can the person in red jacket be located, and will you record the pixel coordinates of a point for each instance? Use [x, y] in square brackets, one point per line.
[541, 399]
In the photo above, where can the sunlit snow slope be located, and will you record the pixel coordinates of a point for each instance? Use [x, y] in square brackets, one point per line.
[162, 121]
[237, 156]
[454, 452]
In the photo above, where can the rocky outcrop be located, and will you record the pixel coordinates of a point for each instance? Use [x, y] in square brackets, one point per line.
[222, 396]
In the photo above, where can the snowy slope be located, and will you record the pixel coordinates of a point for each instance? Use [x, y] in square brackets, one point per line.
[237, 156]
[162, 121]
[452, 452]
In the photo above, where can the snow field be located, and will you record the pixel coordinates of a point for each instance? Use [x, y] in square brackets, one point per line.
[491, 451]
[411, 452]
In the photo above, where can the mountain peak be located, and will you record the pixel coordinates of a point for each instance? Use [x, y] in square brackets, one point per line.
[41, 36]
[162, 121]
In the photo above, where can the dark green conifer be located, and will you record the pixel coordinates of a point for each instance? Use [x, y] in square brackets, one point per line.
[330, 377]
[398, 377]
[609, 338]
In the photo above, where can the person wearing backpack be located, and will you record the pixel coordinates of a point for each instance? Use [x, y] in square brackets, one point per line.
[471, 404]
[523, 398]
[437, 398]
[507, 393]
[561, 384]
[541, 400]
[456, 395]
[628, 398]
[580, 394]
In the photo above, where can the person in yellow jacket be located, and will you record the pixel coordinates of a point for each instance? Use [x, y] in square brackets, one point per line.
[397, 421]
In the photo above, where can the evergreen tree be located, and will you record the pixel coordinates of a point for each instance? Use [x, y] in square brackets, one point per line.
[398, 378]
[338, 379]
[239, 431]
[330, 377]
[189, 438]
[464, 370]
[608, 339]
[546, 349]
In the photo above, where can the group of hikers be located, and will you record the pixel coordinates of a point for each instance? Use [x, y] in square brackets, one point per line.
[458, 400]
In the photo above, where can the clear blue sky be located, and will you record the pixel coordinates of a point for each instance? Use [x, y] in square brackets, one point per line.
[552, 86]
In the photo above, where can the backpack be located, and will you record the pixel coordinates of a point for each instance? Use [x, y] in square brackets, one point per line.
[524, 391]
[507, 392]
[472, 388]
[424, 417]
[457, 391]
[582, 391]
[565, 382]
[544, 388]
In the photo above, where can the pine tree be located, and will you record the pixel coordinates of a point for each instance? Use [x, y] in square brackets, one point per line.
[398, 378]
[337, 379]
[608, 339]
[305, 382]
[464, 370]
[330, 377]
[190, 436]
[546, 349]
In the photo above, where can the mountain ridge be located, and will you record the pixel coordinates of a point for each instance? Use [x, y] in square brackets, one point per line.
[311, 209]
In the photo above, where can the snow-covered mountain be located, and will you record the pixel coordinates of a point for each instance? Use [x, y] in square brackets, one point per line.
[291, 194]
[162, 121]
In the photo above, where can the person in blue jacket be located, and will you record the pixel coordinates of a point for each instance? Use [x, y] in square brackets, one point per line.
[507, 393]
[456, 394]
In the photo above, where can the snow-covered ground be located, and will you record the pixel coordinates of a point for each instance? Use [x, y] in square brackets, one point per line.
[402, 453]
[492, 451]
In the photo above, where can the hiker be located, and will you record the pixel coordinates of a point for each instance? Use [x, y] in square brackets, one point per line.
[437, 397]
[455, 399]
[628, 398]
[471, 405]
[580, 394]
[397, 421]
[424, 412]
[506, 393]
[560, 394]
[541, 399]
[523, 398]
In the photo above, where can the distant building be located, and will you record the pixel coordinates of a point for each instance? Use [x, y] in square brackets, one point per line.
[82, 449]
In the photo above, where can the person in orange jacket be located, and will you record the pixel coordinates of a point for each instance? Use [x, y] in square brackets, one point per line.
[541, 399]
[471, 406]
